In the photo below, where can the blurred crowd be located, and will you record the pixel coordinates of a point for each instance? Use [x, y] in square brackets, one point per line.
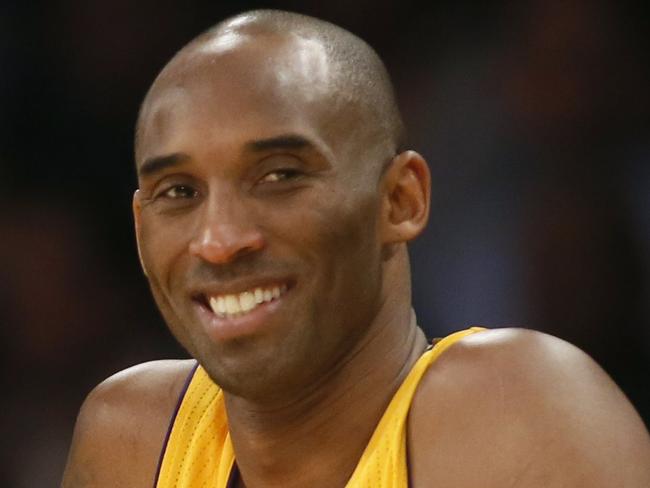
[533, 116]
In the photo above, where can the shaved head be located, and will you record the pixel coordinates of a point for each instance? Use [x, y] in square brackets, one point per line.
[267, 157]
[337, 68]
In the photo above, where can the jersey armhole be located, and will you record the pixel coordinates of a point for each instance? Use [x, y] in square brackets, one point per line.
[172, 420]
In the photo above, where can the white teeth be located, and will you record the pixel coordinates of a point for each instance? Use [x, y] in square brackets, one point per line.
[259, 295]
[221, 305]
[232, 305]
[247, 301]
[218, 305]
[225, 305]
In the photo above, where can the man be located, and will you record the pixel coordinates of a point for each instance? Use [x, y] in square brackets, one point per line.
[274, 206]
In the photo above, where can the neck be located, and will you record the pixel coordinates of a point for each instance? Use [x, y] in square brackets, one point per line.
[316, 440]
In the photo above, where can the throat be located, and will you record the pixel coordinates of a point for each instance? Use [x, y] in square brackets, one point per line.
[318, 440]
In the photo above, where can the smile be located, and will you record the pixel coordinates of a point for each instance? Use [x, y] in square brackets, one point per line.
[235, 305]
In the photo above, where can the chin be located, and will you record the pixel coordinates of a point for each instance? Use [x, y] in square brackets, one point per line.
[258, 372]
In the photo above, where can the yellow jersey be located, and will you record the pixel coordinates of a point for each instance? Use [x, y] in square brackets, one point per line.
[198, 451]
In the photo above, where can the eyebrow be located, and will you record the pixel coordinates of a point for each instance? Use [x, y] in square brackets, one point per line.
[285, 141]
[156, 164]
[159, 163]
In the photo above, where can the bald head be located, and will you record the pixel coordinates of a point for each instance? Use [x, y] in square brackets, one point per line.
[267, 156]
[319, 62]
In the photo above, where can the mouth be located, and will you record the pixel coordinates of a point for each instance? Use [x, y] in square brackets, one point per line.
[240, 311]
[241, 303]
[233, 305]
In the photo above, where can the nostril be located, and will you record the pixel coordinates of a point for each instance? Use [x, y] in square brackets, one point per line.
[244, 251]
[226, 243]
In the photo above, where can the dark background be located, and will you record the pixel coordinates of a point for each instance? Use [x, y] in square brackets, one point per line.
[533, 115]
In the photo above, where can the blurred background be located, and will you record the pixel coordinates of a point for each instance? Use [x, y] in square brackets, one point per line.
[533, 115]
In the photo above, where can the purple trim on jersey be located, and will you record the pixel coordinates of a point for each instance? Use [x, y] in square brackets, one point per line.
[171, 422]
[233, 479]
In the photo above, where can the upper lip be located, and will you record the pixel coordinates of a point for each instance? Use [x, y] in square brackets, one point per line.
[235, 287]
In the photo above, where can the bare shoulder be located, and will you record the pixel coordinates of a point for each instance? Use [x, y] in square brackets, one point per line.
[122, 425]
[515, 407]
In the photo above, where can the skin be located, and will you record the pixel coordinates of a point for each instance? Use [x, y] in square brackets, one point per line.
[239, 228]
[249, 176]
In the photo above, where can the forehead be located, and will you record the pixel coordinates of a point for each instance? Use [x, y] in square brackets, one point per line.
[236, 87]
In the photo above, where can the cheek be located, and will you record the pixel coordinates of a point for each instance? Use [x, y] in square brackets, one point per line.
[321, 227]
[337, 240]
[161, 244]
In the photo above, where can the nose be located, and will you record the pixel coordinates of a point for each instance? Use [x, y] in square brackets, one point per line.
[224, 236]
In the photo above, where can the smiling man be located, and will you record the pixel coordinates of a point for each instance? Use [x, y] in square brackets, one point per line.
[274, 206]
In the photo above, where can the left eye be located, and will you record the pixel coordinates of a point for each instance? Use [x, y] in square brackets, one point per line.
[280, 175]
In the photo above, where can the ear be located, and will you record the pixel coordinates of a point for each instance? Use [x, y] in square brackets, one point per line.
[137, 210]
[406, 194]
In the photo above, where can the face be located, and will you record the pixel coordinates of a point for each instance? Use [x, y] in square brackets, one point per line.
[257, 215]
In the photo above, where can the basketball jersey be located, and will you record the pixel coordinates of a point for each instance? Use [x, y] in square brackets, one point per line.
[198, 451]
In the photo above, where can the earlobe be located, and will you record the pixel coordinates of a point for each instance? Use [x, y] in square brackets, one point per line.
[407, 188]
[137, 210]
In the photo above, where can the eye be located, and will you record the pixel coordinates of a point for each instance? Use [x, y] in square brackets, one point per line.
[280, 175]
[177, 192]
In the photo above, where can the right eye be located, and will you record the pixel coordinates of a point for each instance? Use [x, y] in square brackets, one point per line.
[178, 192]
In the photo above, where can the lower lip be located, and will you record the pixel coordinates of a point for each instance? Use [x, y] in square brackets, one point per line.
[222, 329]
